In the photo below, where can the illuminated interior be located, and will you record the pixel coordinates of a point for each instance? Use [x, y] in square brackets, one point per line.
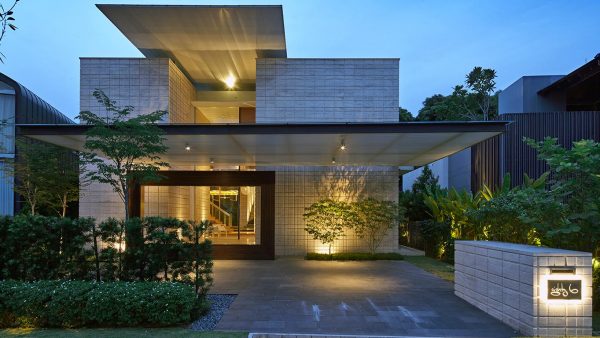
[232, 210]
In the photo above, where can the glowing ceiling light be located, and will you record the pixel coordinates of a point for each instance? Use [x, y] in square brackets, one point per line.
[230, 81]
[187, 147]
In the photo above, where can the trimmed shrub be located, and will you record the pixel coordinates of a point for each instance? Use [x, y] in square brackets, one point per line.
[73, 304]
[354, 256]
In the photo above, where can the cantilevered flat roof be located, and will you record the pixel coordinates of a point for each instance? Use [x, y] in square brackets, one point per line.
[209, 43]
[397, 144]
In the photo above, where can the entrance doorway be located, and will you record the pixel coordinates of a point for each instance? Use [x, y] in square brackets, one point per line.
[239, 205]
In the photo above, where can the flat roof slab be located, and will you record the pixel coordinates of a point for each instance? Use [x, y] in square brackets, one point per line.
[369, 144]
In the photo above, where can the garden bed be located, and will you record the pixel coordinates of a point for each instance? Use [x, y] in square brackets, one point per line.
[355, 256]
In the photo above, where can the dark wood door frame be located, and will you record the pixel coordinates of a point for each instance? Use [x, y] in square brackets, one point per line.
[263, 179]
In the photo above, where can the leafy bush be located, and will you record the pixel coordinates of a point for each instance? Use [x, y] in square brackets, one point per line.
[325, 220]
[374, 219]
[355, 256]
[92, 304]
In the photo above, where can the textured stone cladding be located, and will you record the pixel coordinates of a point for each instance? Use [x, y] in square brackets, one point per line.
[506, 281]
[298, 187]
[148, 85]
[326, 90]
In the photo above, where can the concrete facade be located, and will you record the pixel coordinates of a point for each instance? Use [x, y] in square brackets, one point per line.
[508, 282]
[326, 90]
[287, 91]
[147, 85]
[522, 96]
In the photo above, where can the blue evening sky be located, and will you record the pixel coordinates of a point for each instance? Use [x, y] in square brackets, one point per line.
[438, 42]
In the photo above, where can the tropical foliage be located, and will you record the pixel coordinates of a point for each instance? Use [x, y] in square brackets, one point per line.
[552, 210]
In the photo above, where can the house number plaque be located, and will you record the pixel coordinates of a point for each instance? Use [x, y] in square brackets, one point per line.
[564, 289]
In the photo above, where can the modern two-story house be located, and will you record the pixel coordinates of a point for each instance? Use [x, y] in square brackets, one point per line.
[255, 136]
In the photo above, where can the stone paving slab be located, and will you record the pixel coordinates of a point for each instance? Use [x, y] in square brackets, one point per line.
[381, 298]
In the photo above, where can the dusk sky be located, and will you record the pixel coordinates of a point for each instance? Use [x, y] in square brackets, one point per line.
[438, 42]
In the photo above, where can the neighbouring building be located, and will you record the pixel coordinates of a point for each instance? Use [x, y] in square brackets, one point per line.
[566, 107]
[18, 105]
[254, 136]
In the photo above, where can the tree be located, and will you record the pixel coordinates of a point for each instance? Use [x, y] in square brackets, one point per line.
[481, 82]
[404, 115]
[575, 180]
[123, 149]
[472, 101]
[46, 176]
[414, 201]
[64, 175]
[374, 218]
[30, 172]
[326, 220]
[6, 21]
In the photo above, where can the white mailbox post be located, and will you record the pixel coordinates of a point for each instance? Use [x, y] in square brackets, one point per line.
[535, 290]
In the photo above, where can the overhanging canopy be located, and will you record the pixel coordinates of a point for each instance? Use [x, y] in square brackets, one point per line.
[397, 144]
[209, 43]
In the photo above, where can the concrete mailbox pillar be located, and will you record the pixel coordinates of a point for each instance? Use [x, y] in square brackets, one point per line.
[537, 291]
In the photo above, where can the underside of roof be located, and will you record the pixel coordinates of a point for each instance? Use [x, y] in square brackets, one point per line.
[209, 43]
[395, 144]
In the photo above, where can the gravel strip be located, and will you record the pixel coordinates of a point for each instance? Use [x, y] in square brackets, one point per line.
[218, 305]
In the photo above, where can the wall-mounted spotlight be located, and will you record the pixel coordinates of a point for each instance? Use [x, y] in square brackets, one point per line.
[342, 146]
[333, 160]
[212, 161]
[187, 147]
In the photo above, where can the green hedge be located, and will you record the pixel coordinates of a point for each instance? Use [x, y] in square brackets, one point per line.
[71, 304]
[354, 256]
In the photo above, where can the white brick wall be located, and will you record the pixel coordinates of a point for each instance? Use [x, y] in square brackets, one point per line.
[298, 187]
[326, 90]
[146, 84]
[504, 280]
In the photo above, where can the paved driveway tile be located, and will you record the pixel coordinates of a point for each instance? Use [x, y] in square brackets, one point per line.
[394, 298]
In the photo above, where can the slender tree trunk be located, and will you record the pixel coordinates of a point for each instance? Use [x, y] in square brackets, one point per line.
[64, 206]
[96, 258]
[119, 266]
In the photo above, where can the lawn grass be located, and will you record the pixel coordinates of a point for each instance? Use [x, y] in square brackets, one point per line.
[440, 269]
[120, 333]
[354, 256]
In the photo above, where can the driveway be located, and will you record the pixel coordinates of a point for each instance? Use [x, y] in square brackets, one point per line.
[291, 295]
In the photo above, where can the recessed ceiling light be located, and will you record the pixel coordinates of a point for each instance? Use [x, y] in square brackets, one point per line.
[230, 81]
